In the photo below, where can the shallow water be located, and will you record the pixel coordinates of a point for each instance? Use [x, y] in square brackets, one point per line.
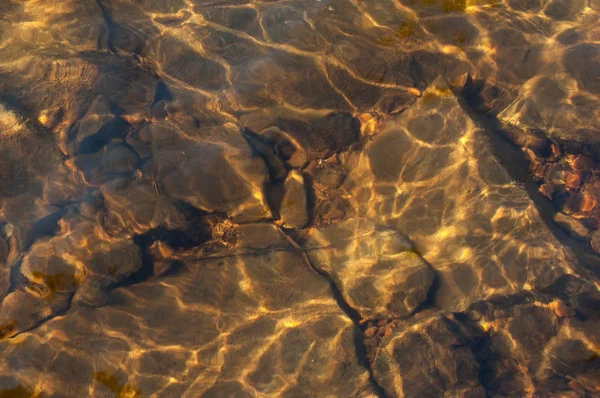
[324, 198]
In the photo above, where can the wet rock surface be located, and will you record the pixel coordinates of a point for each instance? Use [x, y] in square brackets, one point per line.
[333, 198]
[294, 209]
[431, 370]
[375, 268]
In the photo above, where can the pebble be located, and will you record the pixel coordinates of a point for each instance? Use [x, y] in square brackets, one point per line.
[8, 230]
[294, 208]
[561, 310]
[595, 241]
[583, 163]
[573, 180]
[571, 225]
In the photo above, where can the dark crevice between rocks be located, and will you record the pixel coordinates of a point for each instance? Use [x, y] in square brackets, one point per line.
[417, 74]
[17, 279]
[110, 25]
[273, 189]
[162, 93]
[274, 192]
[114, 37]
[311, 198]
[359, 337]
[577, 293]
[115, 129]
[429, 302]
[363, 358]
[46, 226]
[480, 345]
[67, 307]
[274, 185]
[139, 161]
[513, 160]
[260, 148]
[197, 233]
[568, 289]
[175, 239]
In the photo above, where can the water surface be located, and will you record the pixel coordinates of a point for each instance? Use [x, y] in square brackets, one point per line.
[304, 198]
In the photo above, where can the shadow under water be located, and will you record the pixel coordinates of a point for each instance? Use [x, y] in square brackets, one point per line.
[333, 198]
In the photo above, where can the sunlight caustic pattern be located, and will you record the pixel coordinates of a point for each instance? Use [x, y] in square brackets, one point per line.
[332, 198]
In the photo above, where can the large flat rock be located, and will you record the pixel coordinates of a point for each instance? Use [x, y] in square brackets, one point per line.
[375, 268]
[243, 322]
[240, 199]
[431, 174]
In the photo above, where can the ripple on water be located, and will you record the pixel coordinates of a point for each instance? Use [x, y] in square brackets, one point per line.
[332, 198]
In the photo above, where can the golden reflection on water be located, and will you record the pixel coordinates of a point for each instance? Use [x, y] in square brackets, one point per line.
[327, 198]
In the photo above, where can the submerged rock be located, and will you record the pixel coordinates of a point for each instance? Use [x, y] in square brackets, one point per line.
[294, 209]
[375, 268]
[285, 147]
[572, 225]
[215, 199]
[274, 321]
[54, 270]
[430, 358]
[8, 229]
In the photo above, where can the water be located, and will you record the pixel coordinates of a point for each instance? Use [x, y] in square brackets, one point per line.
[325, 198]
